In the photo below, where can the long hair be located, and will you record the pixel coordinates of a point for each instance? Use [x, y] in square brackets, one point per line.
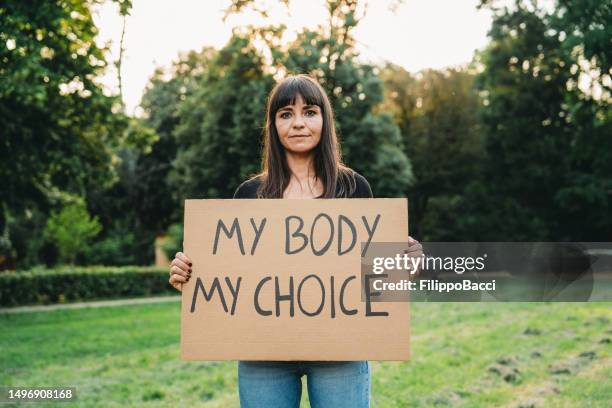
[337, 179]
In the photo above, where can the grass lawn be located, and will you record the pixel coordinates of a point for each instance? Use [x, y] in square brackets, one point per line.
[464, 354]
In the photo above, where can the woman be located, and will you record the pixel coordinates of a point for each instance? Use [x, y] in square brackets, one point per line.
[301, 160]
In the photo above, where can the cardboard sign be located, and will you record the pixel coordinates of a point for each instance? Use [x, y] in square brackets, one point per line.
[281, 280]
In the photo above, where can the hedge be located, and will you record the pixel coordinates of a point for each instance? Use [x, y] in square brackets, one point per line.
[68, 284]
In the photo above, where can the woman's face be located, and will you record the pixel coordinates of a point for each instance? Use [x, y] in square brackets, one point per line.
[299, 126]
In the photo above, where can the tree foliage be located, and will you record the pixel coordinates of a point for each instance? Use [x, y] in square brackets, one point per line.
[437, 114]
[220, 123]
[545, 136]
[71, 230]
[59, 129]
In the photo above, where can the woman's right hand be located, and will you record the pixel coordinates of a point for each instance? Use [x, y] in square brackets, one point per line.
[180, 270]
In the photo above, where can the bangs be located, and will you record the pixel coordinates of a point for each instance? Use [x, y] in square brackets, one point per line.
[288, 91]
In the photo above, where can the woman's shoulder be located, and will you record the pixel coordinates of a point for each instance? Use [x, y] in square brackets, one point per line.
[362, 187]
[248, 188]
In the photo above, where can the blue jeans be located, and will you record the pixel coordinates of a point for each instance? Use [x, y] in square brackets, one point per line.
[278, 384]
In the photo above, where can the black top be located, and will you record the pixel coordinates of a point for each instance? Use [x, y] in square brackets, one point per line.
[248, 189]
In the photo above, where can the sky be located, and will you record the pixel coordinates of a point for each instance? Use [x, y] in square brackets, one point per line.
[419, 34]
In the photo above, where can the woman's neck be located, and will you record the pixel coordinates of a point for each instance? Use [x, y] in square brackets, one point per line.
[303, 182]
[301, 166]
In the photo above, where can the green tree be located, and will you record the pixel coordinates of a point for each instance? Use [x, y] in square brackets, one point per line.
[437, 114]
[220, 123]
[586, 28]
[71, 230]
[58, 129]
[585, 201]
[138, 203]
[57, 125]
[141, 205]
[548, 169]
[528, 139]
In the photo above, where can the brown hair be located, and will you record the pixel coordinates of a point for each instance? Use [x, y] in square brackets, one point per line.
[338, 180]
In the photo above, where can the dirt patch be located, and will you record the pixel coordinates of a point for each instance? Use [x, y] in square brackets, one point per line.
[507, 361]
[588, 355]
[507, 373]
[573, 365]
[537, 395]
[562, 368]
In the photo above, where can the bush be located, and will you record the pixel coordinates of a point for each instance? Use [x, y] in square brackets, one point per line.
[66, 284]
[71, 230]
[118, 247]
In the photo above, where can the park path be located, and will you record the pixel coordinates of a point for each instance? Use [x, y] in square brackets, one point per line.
[82, 305]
